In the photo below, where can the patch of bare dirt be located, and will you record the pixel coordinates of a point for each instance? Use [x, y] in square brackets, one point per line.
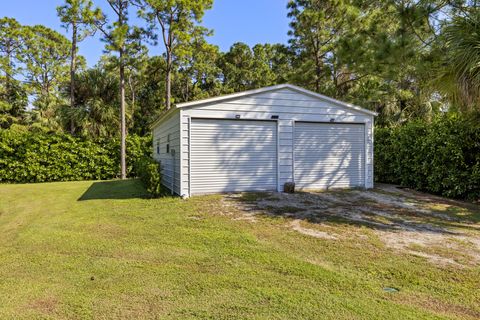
[45, 305]
[296, 225]
[403, 220]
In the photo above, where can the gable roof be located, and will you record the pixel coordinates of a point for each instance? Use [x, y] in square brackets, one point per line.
[263, 90]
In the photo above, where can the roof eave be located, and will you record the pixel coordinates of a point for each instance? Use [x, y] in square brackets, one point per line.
[323, 97]
[272, 88]
[256, 91]
[163, 116]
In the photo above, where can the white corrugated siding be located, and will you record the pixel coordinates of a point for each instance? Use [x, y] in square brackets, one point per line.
[170, 165]
[329, 155]
[233, 155]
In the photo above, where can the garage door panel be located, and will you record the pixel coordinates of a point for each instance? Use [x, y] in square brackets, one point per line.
[226, 180]
[245, 174]
[313, 127]
[327, 152]
[231, 131]
[314, 167]
[225, 146]
[326, 176]
[329, 155]
[228, 185]
[238, 163]
[334, 159]
[338, 140]
[241, 157]
[233, 155]
[260, 136]
[317, 172]
[222, 171]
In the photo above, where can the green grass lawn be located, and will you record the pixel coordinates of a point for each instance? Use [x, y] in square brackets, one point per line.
[102, 250]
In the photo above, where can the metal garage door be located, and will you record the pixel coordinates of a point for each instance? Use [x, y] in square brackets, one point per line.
[329, 155]
[233, 155]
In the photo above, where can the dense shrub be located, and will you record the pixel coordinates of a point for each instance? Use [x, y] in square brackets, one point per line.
[149, 172]
[27, 156]
[441, 157]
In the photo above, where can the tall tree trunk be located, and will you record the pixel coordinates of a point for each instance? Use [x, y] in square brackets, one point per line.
[168, 82]
[73, 66]
[133, 97]
[123, 132]
[318, 72]
[7, 70]
[132, 89]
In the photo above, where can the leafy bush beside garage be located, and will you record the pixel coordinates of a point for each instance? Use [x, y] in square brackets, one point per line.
[441, 157]
[149, 171]
[39, 156]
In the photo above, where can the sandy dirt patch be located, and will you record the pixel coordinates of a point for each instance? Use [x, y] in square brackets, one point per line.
[411, 222]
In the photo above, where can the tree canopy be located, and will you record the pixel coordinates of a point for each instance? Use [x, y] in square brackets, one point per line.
[404, 59]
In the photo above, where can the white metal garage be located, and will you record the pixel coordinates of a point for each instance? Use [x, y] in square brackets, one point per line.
[260, 139]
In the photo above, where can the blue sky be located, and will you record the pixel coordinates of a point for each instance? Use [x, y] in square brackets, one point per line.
[249, 21]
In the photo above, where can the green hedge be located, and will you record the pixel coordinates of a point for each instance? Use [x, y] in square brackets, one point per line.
[441, 157]
[27, 156]
[148, 170]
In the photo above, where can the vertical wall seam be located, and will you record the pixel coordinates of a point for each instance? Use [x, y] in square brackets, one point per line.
[180, 187]
[366, 154]
[293, 150]
[372, 153]
[189, 156]
[278, 156]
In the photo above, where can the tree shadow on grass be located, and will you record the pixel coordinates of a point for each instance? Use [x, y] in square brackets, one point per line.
[115, 189]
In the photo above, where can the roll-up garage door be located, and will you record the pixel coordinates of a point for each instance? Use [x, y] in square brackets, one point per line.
[232, 155]
[329, 155]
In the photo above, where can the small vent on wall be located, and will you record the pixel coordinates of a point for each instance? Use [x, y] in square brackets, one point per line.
[275, 117]
[168, 144]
